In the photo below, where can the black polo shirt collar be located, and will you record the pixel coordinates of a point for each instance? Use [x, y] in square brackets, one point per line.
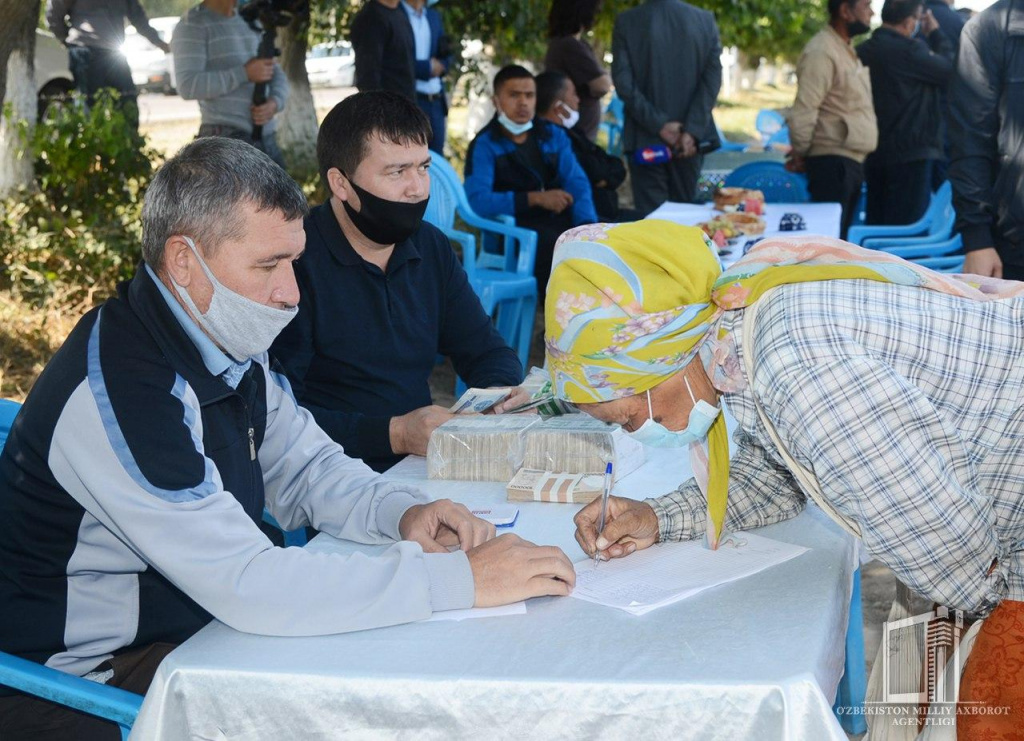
[326, 223]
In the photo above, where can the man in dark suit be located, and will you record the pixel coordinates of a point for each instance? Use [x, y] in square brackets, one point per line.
[382, 40]
[433, 56]
[667, 71]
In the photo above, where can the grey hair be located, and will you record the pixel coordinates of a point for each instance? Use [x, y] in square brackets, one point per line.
[197, 193]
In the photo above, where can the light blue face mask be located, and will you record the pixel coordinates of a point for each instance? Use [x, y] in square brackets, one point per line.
[515, 129]
[656, 435]
[917, 29]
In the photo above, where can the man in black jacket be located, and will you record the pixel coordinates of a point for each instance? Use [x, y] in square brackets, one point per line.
[986, 101]
[558, 103]
[907, 78]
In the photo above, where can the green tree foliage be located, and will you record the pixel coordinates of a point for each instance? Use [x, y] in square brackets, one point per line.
[77, 231]
[517, 29]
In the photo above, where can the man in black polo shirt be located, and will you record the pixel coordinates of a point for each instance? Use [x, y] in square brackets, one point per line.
[385, 48]
[382, 292]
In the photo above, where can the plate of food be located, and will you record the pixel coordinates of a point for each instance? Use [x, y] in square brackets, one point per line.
[744, 200]
[727, 227]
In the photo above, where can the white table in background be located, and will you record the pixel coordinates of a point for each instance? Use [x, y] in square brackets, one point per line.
[756, 659]
[823, 219]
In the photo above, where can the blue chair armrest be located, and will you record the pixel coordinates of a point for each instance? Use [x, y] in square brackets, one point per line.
[110, 703]
[468, 244]
[519, 261]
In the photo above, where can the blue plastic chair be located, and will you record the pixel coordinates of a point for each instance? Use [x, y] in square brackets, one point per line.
[727, 144]
[93, 698]
[778, 184]
[931, 227]
[768, 123]
[503, 280]
[613, 128]
[854, 684]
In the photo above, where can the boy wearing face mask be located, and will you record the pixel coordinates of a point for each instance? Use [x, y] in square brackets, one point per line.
[383, 292]
[524, 167]
[832, 123]
[907, 80]
[558, 103]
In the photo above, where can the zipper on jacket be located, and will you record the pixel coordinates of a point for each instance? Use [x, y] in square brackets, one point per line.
[252, 440]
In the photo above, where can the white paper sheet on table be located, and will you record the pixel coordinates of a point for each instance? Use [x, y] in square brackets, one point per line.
[670, 572]
[516, 608]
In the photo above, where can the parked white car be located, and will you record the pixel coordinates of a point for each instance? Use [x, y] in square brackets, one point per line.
[151, 69]
[53, 76]
[331, 64]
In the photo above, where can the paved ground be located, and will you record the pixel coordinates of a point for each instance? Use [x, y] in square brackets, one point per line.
[155, 108]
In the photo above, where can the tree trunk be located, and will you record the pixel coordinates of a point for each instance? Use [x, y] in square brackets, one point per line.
[17, 90]
[297, 127]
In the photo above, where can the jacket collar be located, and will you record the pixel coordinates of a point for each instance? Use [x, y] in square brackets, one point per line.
[323, 224]
[540, 129]
[146, 301]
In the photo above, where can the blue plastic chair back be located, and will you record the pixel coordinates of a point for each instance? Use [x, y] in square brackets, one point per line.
[769, 122]
[503, 281]
[939, 207]
[93, 698]
[771, 178]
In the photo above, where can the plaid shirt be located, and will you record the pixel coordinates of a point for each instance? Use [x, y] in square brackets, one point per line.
[908, 405]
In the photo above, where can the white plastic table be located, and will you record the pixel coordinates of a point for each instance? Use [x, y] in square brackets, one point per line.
[824, 219]
[756, 659]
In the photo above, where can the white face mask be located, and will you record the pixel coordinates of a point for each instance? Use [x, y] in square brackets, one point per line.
[242, 327]
[515, 129]
[656, 435]
[569, 116]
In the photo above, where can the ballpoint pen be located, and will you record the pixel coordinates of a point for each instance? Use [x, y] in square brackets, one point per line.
[604, 506]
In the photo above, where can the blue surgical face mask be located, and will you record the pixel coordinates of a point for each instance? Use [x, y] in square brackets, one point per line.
[656, 435]
[515, 129]
[917, 29]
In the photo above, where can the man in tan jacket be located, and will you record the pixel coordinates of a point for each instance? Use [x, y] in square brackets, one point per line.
[832, 124]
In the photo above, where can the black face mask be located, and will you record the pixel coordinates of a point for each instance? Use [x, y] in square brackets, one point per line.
[383, 221]
[857, 28]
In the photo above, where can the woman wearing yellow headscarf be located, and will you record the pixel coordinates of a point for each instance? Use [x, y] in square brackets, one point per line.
[891, 395]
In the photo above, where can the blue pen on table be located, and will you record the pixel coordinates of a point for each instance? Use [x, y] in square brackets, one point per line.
[604, 506]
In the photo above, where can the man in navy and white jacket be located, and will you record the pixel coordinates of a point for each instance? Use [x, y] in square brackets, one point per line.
[135, 476]
[523, 166]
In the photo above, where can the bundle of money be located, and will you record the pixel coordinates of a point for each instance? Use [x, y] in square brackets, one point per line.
[531, 485]
[478, 401]
[494, 447]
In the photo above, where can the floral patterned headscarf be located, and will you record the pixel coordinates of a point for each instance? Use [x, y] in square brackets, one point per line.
[629, 305]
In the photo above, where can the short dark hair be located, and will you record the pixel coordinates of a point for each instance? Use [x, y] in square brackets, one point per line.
[197, 193]
[550, 85]
[569, 17]
[510, 72]
[835, 5]
[897, 11]
[344, 138]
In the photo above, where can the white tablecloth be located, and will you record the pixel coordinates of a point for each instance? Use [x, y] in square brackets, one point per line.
[757, 659]
[821, 218]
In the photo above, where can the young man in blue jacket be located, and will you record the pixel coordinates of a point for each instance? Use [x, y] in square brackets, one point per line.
[523, 166]
[134, 478]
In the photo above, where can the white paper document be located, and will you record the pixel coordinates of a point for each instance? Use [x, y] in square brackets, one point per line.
[670, 572]
[516, 608]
